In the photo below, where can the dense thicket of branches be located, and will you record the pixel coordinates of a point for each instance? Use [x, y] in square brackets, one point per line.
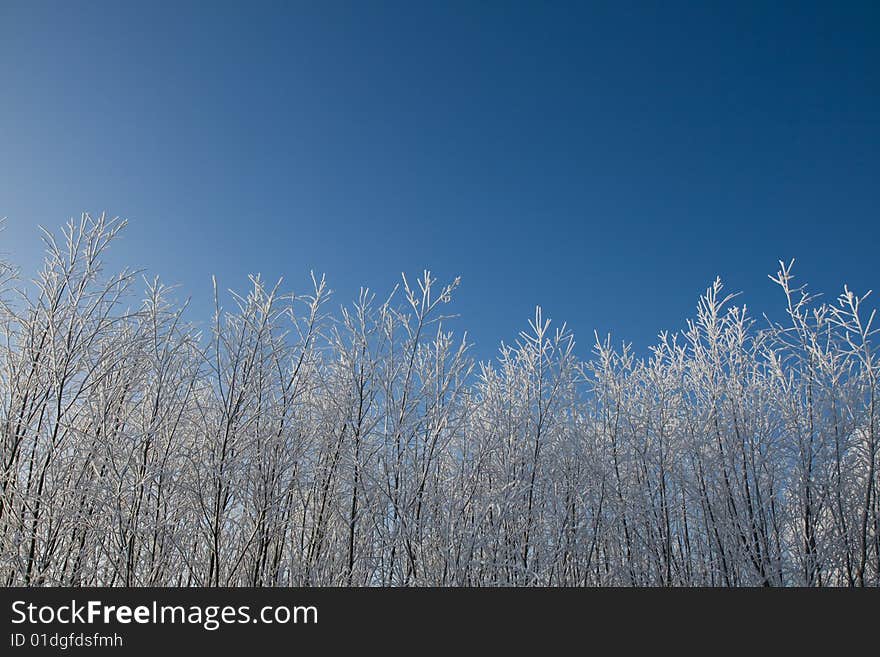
[285, 445]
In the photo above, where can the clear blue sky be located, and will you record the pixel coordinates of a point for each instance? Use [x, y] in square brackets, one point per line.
[604, 160]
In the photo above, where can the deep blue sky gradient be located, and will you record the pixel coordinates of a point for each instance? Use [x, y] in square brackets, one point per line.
[604, 160]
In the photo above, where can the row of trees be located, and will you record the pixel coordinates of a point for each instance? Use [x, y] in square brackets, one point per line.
[285, 445]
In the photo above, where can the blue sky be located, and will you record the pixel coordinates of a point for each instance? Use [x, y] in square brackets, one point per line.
[604, 160]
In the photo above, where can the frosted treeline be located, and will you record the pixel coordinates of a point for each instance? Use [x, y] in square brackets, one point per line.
[290, 442]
